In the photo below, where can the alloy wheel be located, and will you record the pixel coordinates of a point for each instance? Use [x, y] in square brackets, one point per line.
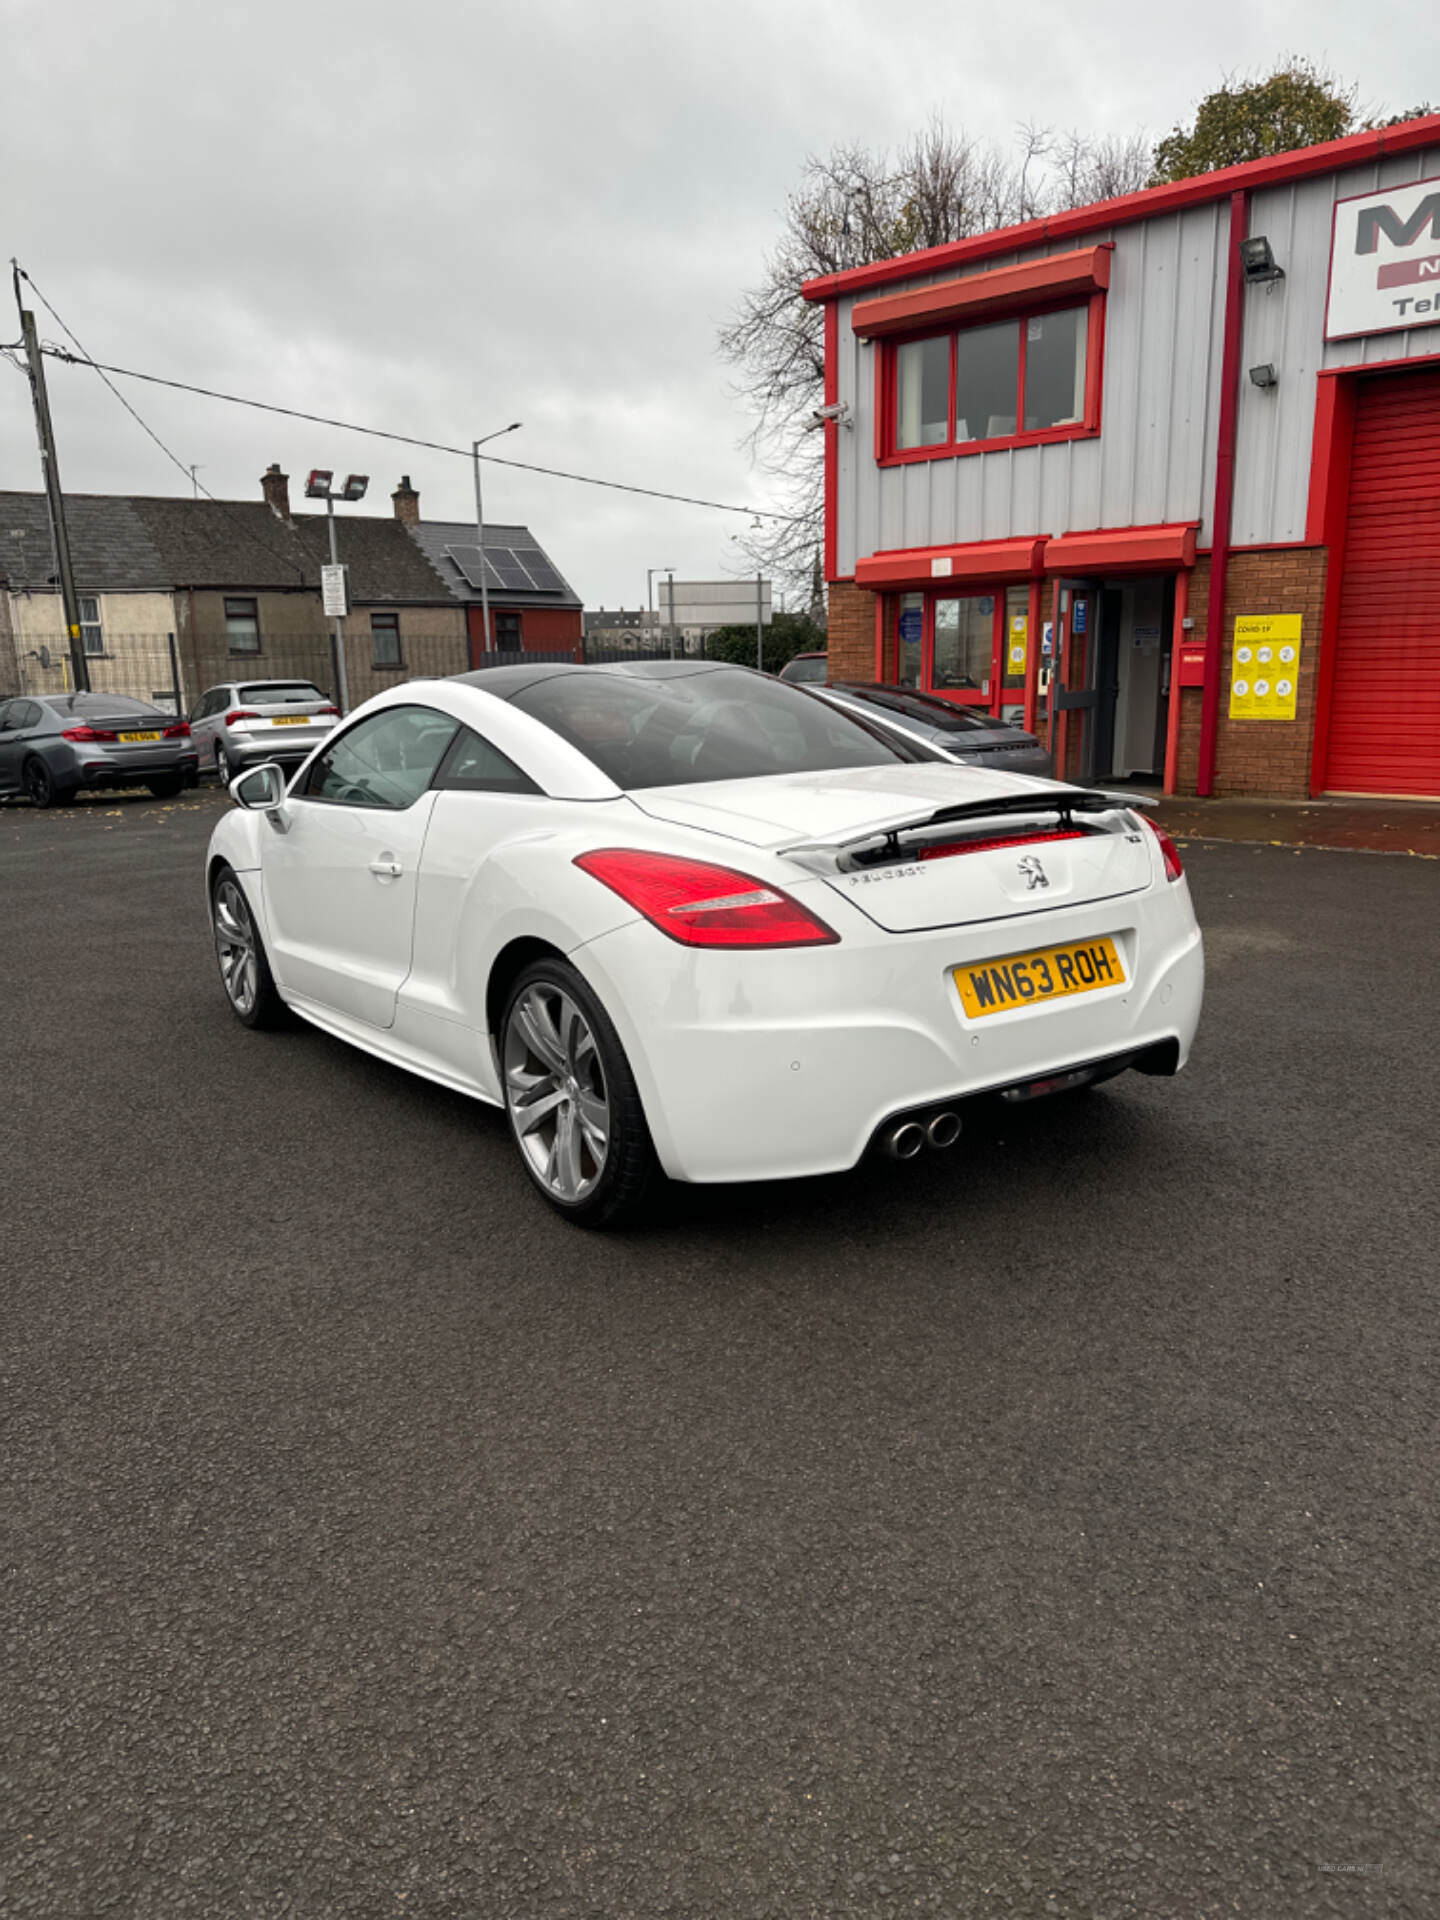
[556, 1093]
[235, 946]
[222, 766]
[38, 783]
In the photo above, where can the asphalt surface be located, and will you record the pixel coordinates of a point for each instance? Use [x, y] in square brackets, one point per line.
[1045, 1528]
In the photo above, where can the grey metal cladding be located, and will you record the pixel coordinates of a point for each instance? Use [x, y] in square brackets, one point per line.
[1285, 326]
[1163, 321]
[1154, 459]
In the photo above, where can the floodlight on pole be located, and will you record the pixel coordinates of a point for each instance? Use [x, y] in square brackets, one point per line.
[319, 485]
[475, 446]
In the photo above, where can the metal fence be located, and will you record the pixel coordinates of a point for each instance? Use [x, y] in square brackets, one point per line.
[173, 671]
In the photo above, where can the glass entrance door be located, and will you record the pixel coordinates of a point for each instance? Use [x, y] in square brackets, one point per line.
[962, 654]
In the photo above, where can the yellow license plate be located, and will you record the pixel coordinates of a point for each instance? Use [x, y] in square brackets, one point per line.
[1050, 973]
[289, 719]
[128, 737]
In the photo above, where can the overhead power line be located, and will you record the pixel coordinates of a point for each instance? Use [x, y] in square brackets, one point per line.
[241, 522]
[407, 440]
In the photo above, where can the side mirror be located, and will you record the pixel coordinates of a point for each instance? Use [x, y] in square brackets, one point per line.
[261, 790]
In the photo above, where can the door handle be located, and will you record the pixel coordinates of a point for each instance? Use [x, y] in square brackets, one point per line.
[387, 867]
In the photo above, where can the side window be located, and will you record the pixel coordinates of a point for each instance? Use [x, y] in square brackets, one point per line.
[204, 706]
[473, 766]
[92, 634]
[242, 624]
[385, 640]
[386, 761]
[24, 713]
[7, 713]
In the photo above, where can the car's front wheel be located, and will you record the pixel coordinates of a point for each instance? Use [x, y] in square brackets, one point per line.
[244, 970]
[571, 1098]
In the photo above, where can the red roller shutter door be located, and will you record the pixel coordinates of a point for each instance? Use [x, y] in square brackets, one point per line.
[1385, 716]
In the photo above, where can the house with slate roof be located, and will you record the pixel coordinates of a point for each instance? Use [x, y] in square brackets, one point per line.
[235, 585]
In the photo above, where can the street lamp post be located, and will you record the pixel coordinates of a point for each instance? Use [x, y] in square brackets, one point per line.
[650, 573]
[475, 446]
[318, 487]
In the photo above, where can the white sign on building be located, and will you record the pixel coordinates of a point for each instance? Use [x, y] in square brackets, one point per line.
[1385, 262]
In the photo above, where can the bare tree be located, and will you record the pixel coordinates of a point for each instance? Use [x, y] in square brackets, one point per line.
[853, 206]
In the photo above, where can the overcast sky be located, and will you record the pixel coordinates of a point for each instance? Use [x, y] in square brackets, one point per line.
[440, 215]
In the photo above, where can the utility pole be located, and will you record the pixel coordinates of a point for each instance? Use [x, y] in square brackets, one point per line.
[54, 498]
[759, 630]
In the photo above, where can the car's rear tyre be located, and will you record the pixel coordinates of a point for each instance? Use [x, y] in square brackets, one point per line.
[42, 788]
[224, 772]
[240, 953]
[571, 1100]
[167, 786]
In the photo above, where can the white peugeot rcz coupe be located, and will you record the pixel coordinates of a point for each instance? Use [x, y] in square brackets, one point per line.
[678, 917]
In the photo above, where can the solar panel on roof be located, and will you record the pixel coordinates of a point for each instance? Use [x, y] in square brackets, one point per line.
[539, 569]
[512, 574]
[467, 559]
[508, 569]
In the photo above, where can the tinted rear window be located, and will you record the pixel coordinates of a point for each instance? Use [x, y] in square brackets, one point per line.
[115, 703]
[297, 694]
[918, 707]
[725, 725]
[807, 671]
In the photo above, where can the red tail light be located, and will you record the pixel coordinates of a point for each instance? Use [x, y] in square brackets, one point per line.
[1173, 867]
[987, 843]
[704, 906]
[334, 710]
[180, 731]
[240, 713]
[89, 733]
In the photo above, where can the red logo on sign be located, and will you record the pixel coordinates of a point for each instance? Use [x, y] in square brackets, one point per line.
[1403, 273]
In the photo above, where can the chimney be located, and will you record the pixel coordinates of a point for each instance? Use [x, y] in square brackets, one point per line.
[275, 486]
[406, 502]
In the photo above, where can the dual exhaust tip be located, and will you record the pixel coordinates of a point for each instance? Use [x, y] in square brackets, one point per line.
[906, 1138]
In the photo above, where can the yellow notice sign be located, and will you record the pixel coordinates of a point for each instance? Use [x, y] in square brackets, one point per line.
[1265, 666]
[1015, 650]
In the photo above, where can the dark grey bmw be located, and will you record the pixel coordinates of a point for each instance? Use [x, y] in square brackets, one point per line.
[54, 745]
[968, 734]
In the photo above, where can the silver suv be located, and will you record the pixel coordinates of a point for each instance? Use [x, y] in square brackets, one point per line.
[237, 725]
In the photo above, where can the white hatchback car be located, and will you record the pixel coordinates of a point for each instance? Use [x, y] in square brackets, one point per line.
[678, 917]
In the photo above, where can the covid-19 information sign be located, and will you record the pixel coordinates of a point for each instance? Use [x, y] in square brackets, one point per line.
[1265, 666]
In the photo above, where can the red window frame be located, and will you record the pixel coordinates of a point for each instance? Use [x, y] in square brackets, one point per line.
[888, 454]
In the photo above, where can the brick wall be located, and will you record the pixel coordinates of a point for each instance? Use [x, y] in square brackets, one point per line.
[1259, 756]
[850, 627]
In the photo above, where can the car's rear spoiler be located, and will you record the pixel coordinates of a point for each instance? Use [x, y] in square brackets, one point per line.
[1064, 802]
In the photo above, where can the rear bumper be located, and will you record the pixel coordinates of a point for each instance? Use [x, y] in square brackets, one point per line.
[782, 1064]
[251, 750]
[136, 773]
